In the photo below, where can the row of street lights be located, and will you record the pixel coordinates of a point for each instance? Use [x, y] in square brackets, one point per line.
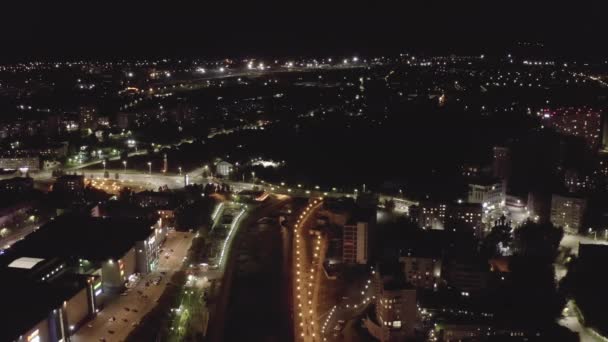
[305, 284]
[124, 164]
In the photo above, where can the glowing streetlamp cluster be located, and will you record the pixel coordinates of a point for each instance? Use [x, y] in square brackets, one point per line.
[305, 278]
[366, 299]
[331, 313]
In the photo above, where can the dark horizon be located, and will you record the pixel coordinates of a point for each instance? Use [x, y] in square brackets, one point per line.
[43, 31]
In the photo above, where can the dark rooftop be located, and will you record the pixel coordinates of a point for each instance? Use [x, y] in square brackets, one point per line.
[592, 252]
[18, 312]
[72, 236]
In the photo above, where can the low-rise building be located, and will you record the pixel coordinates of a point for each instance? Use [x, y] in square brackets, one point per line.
[454, 216]
[69, 184]
[122, 246]
[468, 275]
[28, 163]
[16, 185]
[488, 192]
[422, 270]
[396, 306]
[224, 168]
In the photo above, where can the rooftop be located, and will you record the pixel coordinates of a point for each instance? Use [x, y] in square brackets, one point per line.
[82, 237]
[25, 262]
[18, 313]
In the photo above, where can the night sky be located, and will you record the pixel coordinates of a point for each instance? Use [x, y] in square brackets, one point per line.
[48, 29]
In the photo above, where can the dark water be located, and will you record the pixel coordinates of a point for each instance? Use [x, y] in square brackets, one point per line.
[259, 307]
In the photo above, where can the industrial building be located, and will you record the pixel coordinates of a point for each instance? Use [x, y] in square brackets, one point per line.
[77, 262]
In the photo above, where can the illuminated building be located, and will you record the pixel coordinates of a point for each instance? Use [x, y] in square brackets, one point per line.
[431, 215]
[224, 168]
[453, 216]
[488, 192]
[501, 165]
[155, 199]
[355, 243]
[123, 246]
[69, 184]
[577, 182]
[422, 270]
[396, 306]
[29, 163]
[568, 212]
[87, 118]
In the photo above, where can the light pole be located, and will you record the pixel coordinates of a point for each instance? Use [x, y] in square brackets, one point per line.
[252, 176]
[180, 170]
[150, 167]
[124, 163]
[103, 162]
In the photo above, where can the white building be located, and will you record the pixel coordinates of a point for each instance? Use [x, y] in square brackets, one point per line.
[488, 193]
[224, 168]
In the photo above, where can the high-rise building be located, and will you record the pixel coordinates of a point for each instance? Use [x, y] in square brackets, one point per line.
[568, 212]
[501, 166]
[539, 206]
[123, 120]
[88, 118]
[355, 243]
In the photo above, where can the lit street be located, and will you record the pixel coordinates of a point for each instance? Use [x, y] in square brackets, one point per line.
[129, 310]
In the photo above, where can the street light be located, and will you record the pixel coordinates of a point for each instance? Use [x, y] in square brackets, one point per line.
[124, 163]
[150, 167]
[252, 176]
[180, 170]
[104, 165]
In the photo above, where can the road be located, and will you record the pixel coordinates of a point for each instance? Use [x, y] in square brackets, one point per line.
[570, 321]
[18, 234]
[138, 304]
[98, 161]
[306, 273]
